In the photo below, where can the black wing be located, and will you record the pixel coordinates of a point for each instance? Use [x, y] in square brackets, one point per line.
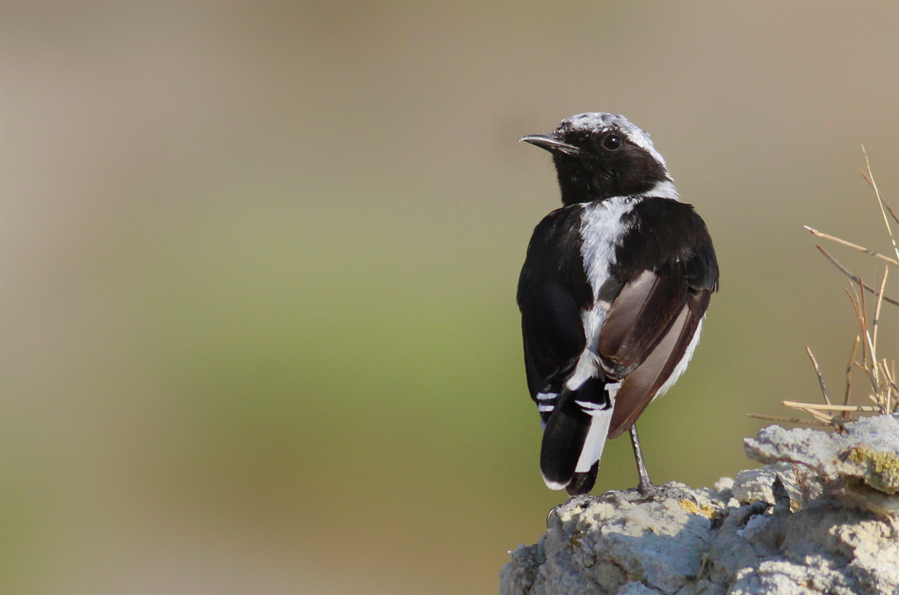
[552, 293]
[667, 271]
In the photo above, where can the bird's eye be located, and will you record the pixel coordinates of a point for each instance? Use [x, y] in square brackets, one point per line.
[611, 142]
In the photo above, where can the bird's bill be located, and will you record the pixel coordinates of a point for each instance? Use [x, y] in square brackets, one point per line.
[551, 144]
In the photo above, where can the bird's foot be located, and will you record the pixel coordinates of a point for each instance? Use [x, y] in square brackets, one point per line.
[646, 492]
[573, 504]
[669, 491]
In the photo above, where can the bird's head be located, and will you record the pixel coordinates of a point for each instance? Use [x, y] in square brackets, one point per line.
[601, 155]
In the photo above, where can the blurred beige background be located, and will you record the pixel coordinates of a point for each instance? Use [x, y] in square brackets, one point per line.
[259, 264]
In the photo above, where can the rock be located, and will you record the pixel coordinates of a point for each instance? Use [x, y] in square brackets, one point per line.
[831, 527]
[859, 466]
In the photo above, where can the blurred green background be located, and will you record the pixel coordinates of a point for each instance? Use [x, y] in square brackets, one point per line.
[259, 264]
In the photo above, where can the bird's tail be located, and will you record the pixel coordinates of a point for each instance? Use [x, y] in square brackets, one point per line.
[574, 437]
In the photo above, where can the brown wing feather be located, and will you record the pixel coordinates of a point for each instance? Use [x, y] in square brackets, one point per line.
[638, 318]
[640, 387]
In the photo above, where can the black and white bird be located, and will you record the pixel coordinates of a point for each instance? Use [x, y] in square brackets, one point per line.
[612, 294]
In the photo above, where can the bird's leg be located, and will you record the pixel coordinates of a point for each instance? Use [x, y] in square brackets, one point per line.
[645, 486]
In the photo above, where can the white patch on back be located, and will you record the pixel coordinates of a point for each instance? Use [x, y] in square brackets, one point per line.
[601, 233]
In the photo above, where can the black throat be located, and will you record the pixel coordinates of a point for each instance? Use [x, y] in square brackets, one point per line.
[595, 178]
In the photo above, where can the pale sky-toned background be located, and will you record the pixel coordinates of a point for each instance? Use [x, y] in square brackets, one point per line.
[259, 264]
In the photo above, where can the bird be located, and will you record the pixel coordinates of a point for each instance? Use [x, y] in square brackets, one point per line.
[613, 293]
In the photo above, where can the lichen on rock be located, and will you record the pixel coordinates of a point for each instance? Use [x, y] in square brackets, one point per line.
[859, 466]
[835, 529]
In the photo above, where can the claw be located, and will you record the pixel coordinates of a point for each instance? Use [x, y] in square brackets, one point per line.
[579, 502]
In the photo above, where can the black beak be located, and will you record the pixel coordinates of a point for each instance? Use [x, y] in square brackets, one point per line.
[551, 144]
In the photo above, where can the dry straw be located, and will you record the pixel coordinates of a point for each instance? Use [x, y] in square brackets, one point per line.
[879, 372]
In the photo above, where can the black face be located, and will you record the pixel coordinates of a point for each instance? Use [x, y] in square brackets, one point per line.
[596, 164]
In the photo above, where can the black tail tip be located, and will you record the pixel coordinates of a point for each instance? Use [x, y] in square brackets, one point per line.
[582, 483]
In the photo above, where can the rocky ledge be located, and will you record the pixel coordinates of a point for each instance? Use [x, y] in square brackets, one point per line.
[822, 516]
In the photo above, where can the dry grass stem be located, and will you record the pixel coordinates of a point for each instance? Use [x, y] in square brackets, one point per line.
[818, 372]
[881, 373]
[867, 372]
[862, 315]
[859, 316]
[821, 234]
[881, 203]
[890, 383]
[817, 407]
[876, 322]
[818, 415]
[851, 276]
[849, 369]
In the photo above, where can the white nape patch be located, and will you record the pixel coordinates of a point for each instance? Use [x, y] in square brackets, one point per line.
[664, 189]
[546, 396]
[587, 367]
[545, 408]
[681, 366]
[596, 439]
[601, 232]
[603, 120]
